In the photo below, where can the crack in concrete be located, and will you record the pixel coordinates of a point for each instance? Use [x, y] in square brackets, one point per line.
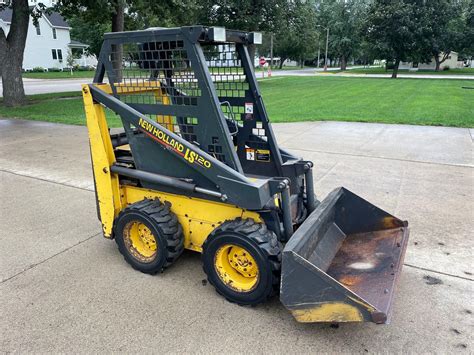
[438, 272]
[46, 180]
[383, 158]
[49, 258]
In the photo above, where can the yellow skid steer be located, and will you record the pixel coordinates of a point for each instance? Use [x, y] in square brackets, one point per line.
[196, 166]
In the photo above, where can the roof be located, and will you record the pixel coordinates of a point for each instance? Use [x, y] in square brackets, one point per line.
[76, 44]
[6, 15]
[54, 18]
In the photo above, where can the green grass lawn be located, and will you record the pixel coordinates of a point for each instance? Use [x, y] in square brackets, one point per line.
[463, 71]
[292, 99]
[60, 75]
[406, 101]
[64, 107]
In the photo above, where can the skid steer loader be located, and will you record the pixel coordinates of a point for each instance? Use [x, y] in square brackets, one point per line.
[196, 166]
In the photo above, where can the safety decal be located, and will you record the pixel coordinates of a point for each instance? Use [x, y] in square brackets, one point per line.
[250, 153]
[248, 110]
[262, 155]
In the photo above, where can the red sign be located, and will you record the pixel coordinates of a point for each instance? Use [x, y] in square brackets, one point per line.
[262, 61]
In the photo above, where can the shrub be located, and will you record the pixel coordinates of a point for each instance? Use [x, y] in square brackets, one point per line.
[38, 70]
[85, 68]
[446, 68]
[54, 70]
[390, 66]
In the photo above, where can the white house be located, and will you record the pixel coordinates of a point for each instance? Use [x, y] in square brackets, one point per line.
[47, 3]
[451, 62]
[48, 43]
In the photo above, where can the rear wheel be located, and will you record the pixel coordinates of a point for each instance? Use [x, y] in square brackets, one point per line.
[149, 235]
[241, 259]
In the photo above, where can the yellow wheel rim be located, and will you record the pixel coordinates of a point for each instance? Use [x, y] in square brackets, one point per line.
[236, 268]
[140, 241]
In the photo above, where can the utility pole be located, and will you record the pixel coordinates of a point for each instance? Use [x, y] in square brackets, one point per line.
[319, 52]
[327, 44]
[271, 52]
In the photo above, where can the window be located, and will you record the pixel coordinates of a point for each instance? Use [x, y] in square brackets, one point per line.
[55, 36]
[38, 30]
[57, 54]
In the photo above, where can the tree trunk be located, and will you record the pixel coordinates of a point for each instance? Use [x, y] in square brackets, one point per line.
[282, 61]
[441, 61]
[12, 49]
[343, 63]
[118, 25]
[437, 61]
[395, 69]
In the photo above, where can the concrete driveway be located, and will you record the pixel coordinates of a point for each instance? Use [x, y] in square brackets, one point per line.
[63, 288]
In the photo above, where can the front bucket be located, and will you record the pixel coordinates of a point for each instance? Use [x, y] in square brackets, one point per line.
[342, 263]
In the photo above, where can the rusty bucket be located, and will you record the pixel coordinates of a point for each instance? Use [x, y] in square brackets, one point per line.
[343, 262]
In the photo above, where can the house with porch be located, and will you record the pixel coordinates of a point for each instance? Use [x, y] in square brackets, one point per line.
[49, 42]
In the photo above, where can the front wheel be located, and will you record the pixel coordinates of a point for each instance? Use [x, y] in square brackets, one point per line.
[149, 235]
[241, 259]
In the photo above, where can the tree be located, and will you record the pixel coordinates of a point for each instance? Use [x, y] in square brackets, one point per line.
[344, 19]
[91, 19]
[89, 32]
[443, 27]
[70, 60]
[102, 11]
[393, 29]
[99, 11]
[294, 32]
[245, 15]
[468, 44]
[12, 47]
[163, 13]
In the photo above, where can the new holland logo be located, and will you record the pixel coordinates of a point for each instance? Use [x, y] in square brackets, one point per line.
[172, 144]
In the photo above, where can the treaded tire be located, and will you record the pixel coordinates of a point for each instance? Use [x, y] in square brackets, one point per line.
[166, 230]
[263, 246]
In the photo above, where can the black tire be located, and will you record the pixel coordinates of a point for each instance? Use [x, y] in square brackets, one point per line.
[263, 246]
[164, 227]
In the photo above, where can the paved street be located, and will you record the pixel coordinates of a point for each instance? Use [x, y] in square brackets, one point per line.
[64, 288]
[43, 86]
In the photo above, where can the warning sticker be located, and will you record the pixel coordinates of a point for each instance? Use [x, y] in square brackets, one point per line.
[249, 108]
[250, 153]
[262, 155]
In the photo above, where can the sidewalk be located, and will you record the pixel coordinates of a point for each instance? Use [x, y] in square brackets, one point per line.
[402, 76]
